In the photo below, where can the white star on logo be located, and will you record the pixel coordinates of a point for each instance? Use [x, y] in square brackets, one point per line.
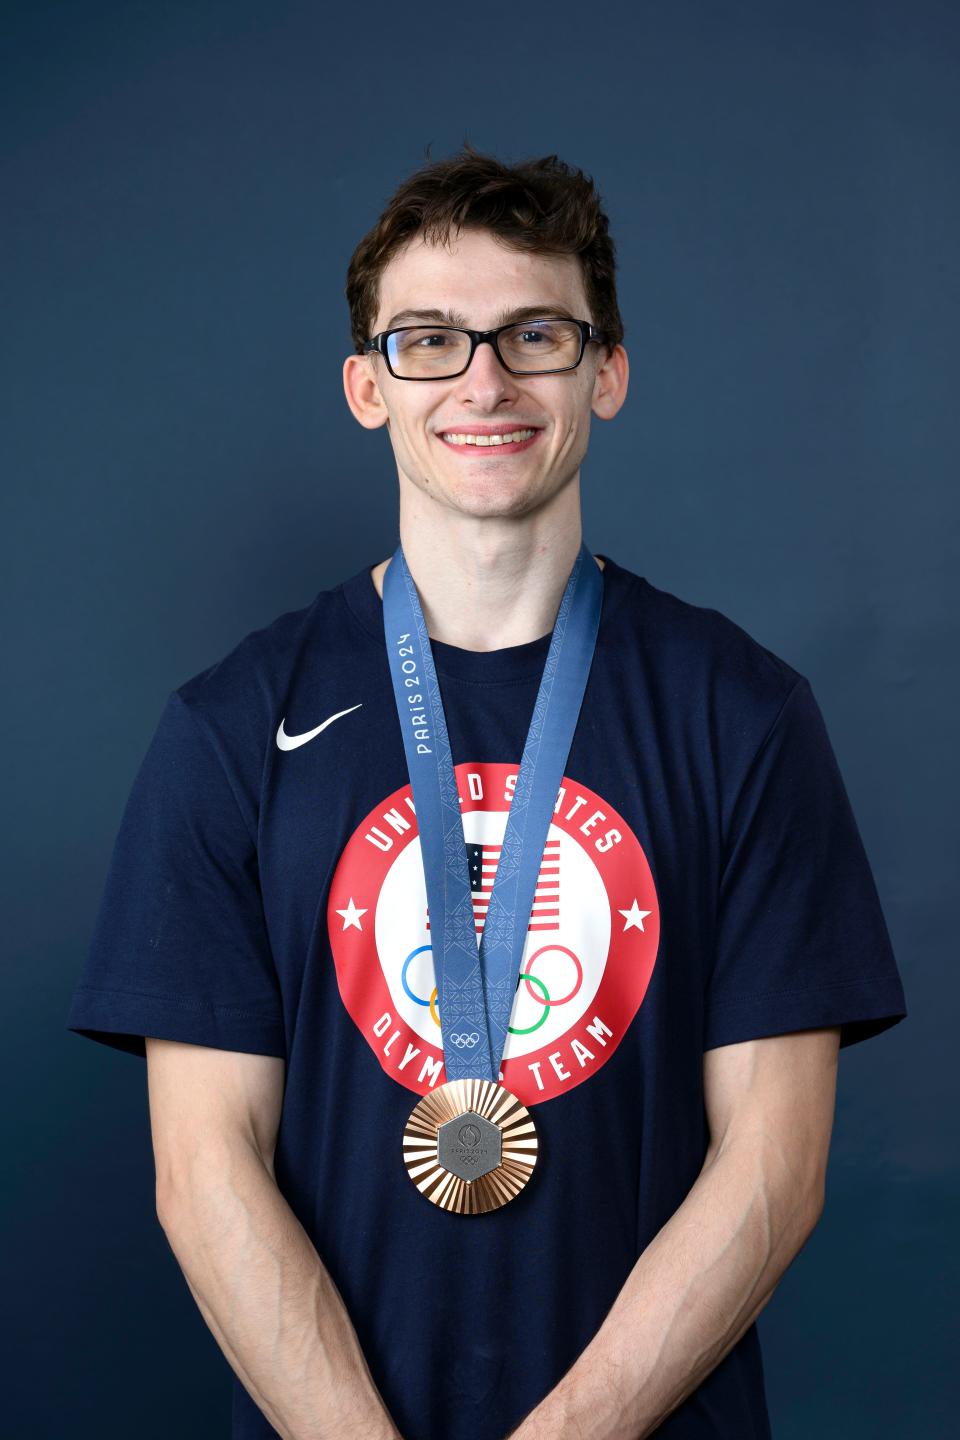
[634, 916]
[351, 916]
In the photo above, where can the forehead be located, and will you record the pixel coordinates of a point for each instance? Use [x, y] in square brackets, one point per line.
[479, 278]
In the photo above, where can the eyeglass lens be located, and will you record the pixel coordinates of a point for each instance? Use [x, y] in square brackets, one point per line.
[426, 352]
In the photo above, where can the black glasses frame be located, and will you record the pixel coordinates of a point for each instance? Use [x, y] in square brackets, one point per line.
[588, 332]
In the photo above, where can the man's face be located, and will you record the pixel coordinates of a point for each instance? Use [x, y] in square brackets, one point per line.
[481, 282]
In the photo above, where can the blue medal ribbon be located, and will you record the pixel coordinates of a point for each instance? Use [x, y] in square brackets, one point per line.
[476, 986]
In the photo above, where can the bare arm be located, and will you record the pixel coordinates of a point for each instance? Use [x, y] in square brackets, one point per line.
[710, 1270]
[273, 1308]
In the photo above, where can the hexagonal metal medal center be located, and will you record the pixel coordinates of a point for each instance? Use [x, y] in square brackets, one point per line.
[468, 1146]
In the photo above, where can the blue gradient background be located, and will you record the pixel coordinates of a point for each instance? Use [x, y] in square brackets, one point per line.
[182, 186]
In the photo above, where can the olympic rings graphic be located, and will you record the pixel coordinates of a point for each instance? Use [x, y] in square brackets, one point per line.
[513, 1030]
[542, 951]
[465, 1041]
[403, 976]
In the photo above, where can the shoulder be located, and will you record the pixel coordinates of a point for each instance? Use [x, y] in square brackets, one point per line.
[255, 664]
[238, 699]
[711, 683]
[709, 638]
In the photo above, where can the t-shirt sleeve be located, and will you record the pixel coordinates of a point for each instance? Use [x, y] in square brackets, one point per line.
[801, 940]
[180, 949]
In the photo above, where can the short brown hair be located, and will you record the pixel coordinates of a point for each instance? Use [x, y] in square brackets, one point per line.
[543, 206]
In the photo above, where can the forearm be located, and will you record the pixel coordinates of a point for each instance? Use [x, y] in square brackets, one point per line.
[695, 1290]
[270, 1302]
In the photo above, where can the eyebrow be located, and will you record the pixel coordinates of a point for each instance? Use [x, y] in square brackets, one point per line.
[454, 317]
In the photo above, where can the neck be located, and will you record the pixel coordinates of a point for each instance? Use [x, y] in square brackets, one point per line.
[486, 584]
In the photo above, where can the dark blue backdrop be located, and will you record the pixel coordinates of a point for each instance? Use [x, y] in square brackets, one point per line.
[182, 186]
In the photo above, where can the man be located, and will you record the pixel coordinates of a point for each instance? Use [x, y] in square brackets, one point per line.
[704, 934]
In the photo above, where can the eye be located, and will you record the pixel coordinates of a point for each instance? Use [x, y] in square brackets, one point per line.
[540, 334]
[421, 339]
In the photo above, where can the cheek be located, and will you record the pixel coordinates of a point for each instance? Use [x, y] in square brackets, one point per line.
[572, 429]
[413, 436]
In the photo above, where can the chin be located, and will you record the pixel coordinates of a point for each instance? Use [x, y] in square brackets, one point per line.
[488, 506]
[484, 496]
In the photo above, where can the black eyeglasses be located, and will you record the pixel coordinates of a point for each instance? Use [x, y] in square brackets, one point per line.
[527, 347]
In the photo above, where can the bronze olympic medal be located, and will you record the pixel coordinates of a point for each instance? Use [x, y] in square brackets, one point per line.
[469, 1146]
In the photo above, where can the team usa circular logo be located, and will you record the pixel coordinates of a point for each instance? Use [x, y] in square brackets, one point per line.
[589, 952]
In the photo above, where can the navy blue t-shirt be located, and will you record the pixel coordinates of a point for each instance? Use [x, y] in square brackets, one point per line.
[703, 882]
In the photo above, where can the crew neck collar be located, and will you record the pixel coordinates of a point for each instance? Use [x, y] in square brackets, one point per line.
[513, 662]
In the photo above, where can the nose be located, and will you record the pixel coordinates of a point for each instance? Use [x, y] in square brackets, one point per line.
[485, 380]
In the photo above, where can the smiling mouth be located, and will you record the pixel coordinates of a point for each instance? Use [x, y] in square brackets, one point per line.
[508, 442]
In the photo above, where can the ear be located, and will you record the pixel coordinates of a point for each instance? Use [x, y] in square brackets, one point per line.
[363, 392]
[610, 384]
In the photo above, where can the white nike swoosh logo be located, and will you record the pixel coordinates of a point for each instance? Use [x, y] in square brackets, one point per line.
[290, 742]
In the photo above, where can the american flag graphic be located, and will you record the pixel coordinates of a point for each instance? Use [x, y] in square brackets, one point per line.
[482, 861]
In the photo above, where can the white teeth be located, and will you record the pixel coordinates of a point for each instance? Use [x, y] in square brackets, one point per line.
[488, 439]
